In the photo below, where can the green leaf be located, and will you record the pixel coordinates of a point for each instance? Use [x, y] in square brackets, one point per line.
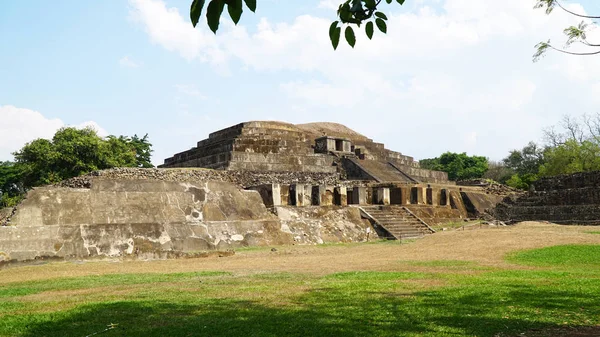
[345, 13]
[252, 5]
[213, 14]
[370, 4]
[381, 15]
[350, 37]
[332, 28]
[196, 11]
[334, 34]
[381, 25]
[401, 2]
[369, 29]
[235, 10]
[388, 1]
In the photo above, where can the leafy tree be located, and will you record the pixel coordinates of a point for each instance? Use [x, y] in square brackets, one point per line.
[459, 166]
[571, 157]
[525, 165]
[143, 150]
[575, 34]
[11, 187]
[73, 152]
[525, 161]
[351, 13]
[522, 182]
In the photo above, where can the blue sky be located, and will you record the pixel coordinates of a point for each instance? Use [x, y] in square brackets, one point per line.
[451, 75]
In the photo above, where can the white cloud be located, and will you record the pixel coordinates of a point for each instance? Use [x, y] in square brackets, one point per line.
[20, 126]
[445, 69]
[126, 62]
[91, 124]
[168, 28]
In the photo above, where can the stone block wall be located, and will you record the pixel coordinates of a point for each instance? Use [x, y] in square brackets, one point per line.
[151, 219]
[564, 199]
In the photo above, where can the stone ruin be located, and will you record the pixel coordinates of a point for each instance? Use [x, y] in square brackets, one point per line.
[253, 184]
[572, 199]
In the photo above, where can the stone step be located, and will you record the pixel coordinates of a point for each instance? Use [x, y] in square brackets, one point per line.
[408, 222]
[405, 226]
[401, 224]
[397, 221]
[402, 231]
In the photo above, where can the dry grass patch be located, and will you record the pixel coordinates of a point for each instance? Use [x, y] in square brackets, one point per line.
[486, 248]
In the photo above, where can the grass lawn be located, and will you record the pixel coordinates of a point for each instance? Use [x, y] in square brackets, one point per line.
[544, 291]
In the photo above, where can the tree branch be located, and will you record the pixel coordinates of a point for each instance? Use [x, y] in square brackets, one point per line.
[590, 44]
[574, 53]
[573, 13]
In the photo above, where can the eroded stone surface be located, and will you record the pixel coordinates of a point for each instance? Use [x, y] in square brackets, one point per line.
[157, 219]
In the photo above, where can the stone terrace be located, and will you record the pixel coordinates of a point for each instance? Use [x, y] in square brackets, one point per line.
[317, 147]
[564, 199]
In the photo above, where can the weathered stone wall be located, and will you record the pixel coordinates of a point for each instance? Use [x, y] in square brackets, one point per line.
[438, 215]
[159, 219]
[317, 224]
[569, 181]
[478, 204]
[423, 175]
[564, 199]
[138, 217]
[256, 146]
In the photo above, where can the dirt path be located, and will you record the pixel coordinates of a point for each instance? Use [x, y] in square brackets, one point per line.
[484, 246]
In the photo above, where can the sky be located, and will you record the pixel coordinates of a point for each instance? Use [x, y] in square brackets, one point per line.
[450, 75]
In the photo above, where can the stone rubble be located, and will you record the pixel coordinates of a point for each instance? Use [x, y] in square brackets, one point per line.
[491, 187]
[241, 178]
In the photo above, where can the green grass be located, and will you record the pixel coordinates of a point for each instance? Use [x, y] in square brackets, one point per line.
[564, 256]
[593, 232]
[555, 291]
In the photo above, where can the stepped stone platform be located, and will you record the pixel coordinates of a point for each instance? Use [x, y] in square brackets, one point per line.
[564, 199]
[255, 146]
[265, 146]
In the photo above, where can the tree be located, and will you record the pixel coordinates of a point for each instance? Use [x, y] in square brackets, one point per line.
[497, 171]
[573, 146]
[143, 151]
[459, 166]
[571, 157]
[73, 152]
[11, 187]
[350, 13]
[525, 161]
[575, 34]
[525, 165]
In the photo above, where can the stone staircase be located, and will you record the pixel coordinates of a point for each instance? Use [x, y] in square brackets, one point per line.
[397, 221]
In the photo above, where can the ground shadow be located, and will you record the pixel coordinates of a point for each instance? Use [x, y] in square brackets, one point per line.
[331, 312]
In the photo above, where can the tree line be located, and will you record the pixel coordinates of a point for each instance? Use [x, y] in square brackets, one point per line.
[571, 146]
[71, 152]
